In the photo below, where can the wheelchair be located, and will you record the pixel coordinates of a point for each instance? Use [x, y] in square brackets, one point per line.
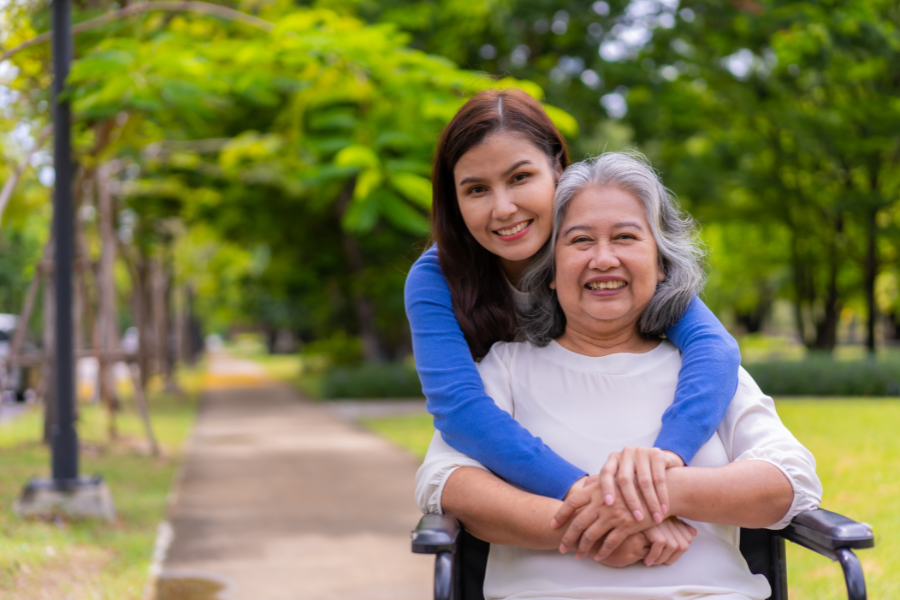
[461, 558]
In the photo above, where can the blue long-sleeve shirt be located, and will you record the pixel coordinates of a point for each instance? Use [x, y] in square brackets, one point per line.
[469, 420]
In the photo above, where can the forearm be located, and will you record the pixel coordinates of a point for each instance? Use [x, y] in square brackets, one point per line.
[706, 382]
[469, 419]
[747, 493]
[496, 512]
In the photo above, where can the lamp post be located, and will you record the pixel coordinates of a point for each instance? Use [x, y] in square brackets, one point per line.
[63, 436]
[65, 492]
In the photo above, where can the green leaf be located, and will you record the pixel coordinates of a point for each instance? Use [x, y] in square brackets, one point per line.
[565, 122]
[361, 215]
[529, 87]
[357, 156]
[402, 215]
[366, 183]
[414, 188]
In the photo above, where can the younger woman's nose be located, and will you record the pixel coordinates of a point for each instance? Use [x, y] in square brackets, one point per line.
[504, 207]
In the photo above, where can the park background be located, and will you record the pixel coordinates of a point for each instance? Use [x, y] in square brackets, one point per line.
[260, 170]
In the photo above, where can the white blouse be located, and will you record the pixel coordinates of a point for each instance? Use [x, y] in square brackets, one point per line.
[585, 408]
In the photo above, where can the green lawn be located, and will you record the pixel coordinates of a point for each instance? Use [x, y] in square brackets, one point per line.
[90, 559]
[857, 449]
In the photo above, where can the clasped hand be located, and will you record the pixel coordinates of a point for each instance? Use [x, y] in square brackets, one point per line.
[620, 515]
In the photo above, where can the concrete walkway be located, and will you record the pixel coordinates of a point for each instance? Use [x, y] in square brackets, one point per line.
[281, 499]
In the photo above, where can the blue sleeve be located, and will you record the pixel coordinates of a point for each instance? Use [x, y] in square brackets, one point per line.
[465, 415]
[706, 383]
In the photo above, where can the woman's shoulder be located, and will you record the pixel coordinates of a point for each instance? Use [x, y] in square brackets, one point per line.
[509, 354]
[426, 274]
[427, 263]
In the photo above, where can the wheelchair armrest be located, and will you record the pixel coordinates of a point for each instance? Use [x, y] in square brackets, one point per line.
[834, 536]
[826, 532]
[434, 534]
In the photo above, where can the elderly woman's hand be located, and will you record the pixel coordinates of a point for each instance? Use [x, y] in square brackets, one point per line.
[669, 540]
[629, 470]
[595, 521]
[662, 544]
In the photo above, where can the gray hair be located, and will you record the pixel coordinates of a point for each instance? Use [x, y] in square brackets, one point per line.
[677, 243]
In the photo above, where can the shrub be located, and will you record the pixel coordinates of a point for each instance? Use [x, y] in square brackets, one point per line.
[383, 380]
[823, 376]
[339, 350]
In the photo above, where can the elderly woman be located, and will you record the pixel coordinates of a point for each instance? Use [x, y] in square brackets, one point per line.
[593, 377]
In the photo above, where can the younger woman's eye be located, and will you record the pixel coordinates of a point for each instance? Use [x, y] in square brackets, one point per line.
[520, 176]
[478, 189]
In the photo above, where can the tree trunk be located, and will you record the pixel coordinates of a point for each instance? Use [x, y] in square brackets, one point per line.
[870, 274]
[139, 283]
[373, 349]
[826, 328]
[48, 367]
[106, 292]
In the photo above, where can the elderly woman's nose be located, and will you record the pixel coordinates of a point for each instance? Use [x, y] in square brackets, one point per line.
[603, 257]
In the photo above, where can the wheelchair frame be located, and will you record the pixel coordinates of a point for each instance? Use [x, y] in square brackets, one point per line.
[461, 559]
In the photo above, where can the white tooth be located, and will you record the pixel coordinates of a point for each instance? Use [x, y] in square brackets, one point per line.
[513, 230]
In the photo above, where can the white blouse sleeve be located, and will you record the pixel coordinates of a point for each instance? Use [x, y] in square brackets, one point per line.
[752, 430]
[442, 460]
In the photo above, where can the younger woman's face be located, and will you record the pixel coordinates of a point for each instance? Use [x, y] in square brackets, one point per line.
[505, 187]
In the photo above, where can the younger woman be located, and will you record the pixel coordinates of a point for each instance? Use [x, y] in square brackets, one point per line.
[495, 173]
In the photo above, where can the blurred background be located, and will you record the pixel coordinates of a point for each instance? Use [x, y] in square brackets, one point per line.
[264, 168]
[256, 174]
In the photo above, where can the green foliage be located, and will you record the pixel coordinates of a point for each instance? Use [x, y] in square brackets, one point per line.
[339, 350]
[379, 380]
[824, 376]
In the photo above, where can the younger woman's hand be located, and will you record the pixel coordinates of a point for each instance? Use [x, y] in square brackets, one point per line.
[640, 473]
[668, 541]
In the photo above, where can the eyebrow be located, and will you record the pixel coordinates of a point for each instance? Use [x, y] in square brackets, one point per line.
[506, 173]
[619, 225]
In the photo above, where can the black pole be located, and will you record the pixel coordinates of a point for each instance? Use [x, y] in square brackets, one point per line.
[64, 438]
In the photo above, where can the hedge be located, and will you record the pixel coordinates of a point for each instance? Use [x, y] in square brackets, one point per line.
[823, 376]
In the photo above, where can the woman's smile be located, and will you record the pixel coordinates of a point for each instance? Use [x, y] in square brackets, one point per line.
[606, 286]
[514, 232]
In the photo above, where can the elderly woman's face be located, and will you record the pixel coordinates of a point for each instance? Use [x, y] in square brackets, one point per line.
[606, 261]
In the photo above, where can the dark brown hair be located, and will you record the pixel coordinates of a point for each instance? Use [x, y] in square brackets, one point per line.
[481, 298]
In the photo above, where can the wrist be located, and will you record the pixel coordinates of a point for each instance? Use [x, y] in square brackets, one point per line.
[579, 484]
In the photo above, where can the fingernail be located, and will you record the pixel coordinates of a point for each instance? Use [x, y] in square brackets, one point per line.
[638, 515]
[563, 549]
[597, 558]
[554, 524]
[657, 517]
[665, 508]
[609, 499]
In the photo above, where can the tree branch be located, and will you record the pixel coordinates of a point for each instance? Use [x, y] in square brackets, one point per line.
[143, 7]
[10, 185]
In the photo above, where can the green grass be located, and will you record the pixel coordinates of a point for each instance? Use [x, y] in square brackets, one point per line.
[410, 431]
[87, 559]
[857, 450]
